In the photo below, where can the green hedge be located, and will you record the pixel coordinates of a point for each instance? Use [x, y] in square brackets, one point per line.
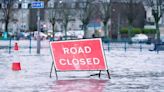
[149, 31]
[138, 31]
[133, 32]
[124, 31]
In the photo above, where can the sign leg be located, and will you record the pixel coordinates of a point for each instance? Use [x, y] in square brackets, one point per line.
[108, 74]
[55, 71]
[56, 74]
[99, 73]
[51, 68]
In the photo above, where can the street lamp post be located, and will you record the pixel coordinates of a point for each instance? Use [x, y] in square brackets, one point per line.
[37, 5]
[38, 30]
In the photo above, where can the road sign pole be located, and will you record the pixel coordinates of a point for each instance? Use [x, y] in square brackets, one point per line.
[38, 29]
[38, 4]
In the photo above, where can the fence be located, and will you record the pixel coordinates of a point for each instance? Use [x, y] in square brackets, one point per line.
[30, 45]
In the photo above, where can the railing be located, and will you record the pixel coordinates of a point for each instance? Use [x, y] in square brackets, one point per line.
[123, 45]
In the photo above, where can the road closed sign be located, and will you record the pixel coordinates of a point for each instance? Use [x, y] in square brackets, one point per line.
[86, 54]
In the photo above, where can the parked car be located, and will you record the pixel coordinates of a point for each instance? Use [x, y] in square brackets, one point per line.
[43, 36]
[139, 38]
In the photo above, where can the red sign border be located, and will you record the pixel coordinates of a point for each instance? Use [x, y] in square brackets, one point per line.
[53, 58]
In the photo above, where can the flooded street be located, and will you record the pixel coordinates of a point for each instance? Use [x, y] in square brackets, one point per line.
[81, 45]
[131, 71]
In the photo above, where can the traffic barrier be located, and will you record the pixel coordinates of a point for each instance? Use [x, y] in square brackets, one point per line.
[16, 66]
[16, 47]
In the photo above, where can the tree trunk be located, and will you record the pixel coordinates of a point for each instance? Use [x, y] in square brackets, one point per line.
[157, 32]
[85, 30]
[129, 31]
[106, 30]
[6, 25]
[65, 31]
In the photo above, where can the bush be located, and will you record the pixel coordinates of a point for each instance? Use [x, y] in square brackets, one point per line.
[149, 31]
[133, 32]
[138, 31]
[124, 31]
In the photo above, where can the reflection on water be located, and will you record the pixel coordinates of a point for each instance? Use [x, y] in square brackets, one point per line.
[79, 85]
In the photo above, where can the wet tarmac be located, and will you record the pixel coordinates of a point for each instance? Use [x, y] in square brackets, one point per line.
[131, 71]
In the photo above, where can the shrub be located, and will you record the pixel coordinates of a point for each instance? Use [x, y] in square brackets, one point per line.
[149, 31]
[133, 32]
[124, 31]
[138, 31]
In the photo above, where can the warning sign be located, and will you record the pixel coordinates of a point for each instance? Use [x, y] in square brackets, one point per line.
[86, 54]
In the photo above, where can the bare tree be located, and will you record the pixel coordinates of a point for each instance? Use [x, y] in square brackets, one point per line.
[7, 12]
[131, 9]
[85, 13]
[52, 15]
[156, 6]
[65, 14]
[105, 11]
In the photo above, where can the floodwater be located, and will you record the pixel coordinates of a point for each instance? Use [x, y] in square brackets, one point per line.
[131, 71]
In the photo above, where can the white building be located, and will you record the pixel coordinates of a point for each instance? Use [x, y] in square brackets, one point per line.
[19, 16]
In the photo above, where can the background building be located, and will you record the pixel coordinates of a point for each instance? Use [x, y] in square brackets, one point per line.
[24, 18]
